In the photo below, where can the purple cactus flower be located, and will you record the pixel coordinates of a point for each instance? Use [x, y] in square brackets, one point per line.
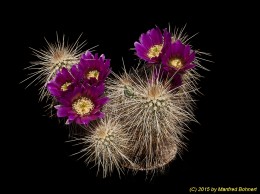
[178, 57]
[82, 105]
[64, 82]
[93, 69]
[152, 45]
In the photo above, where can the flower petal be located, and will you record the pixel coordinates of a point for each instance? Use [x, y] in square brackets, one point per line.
[156, 36]
[188, 66]
[141, 51]
[84, 120]
[191, 57]
[146, 41]
[62, 111]
[102, 101]
[97, 91]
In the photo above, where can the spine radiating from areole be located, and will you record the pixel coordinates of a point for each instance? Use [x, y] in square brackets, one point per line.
[155, 116]
[106, 144]
[136, 119]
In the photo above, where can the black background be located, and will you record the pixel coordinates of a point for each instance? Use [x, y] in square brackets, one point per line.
[222, 150]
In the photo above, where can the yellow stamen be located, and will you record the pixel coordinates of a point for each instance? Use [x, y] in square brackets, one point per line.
[92, 74]
[176, 63]
[155, 51]
[83, 106]
[65, 86]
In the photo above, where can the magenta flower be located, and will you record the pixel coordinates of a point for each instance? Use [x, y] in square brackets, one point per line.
[178, 57]
[93, 69]
[82, 105]
[63, 82]
[153, 45]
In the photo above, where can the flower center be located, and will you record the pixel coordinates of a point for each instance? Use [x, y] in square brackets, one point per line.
[83, 106]
[65, 86]
[176, 63]
[155, 51]
[93, 74]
